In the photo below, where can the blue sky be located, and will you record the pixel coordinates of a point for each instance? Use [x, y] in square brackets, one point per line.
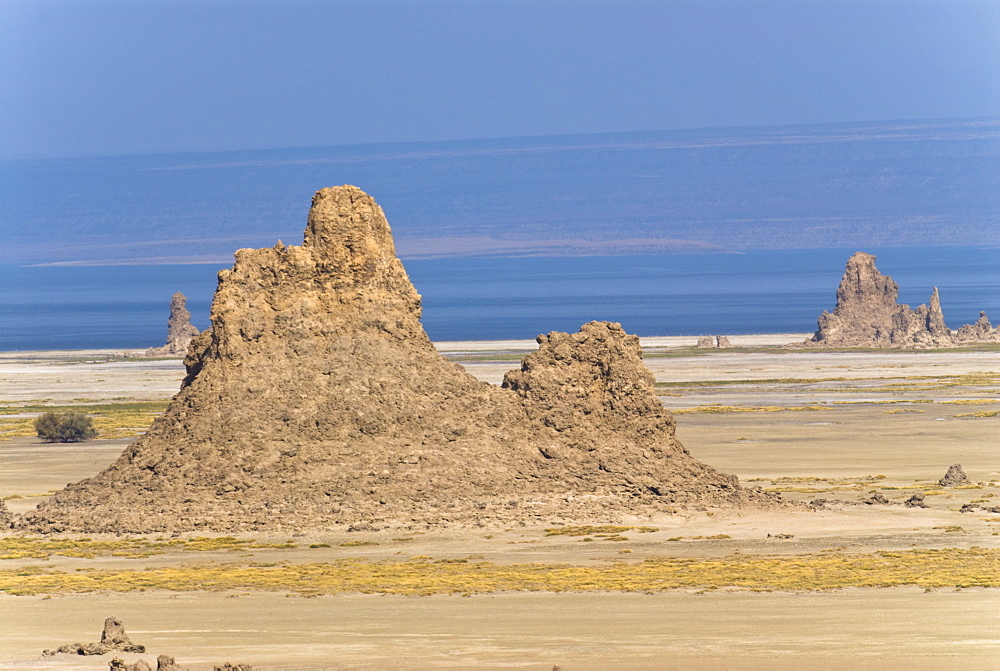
[94, 77]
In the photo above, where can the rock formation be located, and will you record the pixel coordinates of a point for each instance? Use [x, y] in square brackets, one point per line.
[955, 477]
[113, 638]
[180, 332]
[867, 314]
[6, 517]
[716, 342]
[981, 331]
[317, 400]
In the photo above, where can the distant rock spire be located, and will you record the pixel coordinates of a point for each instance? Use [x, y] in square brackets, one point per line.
[935, 317]
[868, 315]
[180, 332]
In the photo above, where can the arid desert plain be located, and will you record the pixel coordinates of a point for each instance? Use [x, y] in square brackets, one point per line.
[851, 577]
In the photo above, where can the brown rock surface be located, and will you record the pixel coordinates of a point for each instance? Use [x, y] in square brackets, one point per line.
[867, 314]
[317, 400]
[180, 332]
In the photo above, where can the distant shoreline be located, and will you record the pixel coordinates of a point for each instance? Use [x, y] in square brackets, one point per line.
[450, 346]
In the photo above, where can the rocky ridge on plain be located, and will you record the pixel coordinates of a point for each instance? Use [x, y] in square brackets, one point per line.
[317, 401]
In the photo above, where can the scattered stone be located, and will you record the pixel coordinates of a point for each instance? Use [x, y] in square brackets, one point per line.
[722, 342]
[968, 508]
[317, 401]
[867, 314]
[118, 664]
[706, 342]
[915, 501]
[955, 477]
[180, 332]
[167, 663]
[876, 499]
[233, 667]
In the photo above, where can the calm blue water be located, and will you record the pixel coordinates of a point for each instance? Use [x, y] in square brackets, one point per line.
[125, 307]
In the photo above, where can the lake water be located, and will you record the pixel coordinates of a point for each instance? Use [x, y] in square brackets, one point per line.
[478, 298]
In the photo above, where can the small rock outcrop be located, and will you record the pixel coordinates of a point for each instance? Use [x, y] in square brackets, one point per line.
[876, 499]
[180, 332]
[113, 638]
[167, 663]
[867, 314]
[7, 518]
[955, 477]
[981, 331]
[714, 342]
[316, 400]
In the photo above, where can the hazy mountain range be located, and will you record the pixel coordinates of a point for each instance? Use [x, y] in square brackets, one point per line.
[887, 184]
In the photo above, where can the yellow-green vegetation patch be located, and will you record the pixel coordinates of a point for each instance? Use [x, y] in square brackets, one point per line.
[981, 413]
[33, 547]
[816, 485]
[778, 380]
[355, 544]
[952, 567]
[596, 530]
[725, 409]
[971, 401]
[111, 420]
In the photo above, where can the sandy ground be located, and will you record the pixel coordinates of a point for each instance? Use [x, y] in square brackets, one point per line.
[894, 416]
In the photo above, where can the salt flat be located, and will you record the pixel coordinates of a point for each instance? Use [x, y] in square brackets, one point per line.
[886, 422]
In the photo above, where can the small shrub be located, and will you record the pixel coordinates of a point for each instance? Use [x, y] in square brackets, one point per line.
[65, 427]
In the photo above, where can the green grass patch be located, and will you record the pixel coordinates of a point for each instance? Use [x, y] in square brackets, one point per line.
[598, 530]
[112, 420]
[719, 409]
[31, 547]
[952, 567]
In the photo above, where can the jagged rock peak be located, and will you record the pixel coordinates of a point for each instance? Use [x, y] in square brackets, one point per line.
[867, 313]
[981, 331]
[316, 400]
[863, 285]
[180, 331]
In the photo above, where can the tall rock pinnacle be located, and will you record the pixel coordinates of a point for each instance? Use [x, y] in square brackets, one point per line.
[316, 400]
[180, 332]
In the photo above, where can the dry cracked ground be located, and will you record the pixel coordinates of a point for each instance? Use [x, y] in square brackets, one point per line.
[851, 578]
